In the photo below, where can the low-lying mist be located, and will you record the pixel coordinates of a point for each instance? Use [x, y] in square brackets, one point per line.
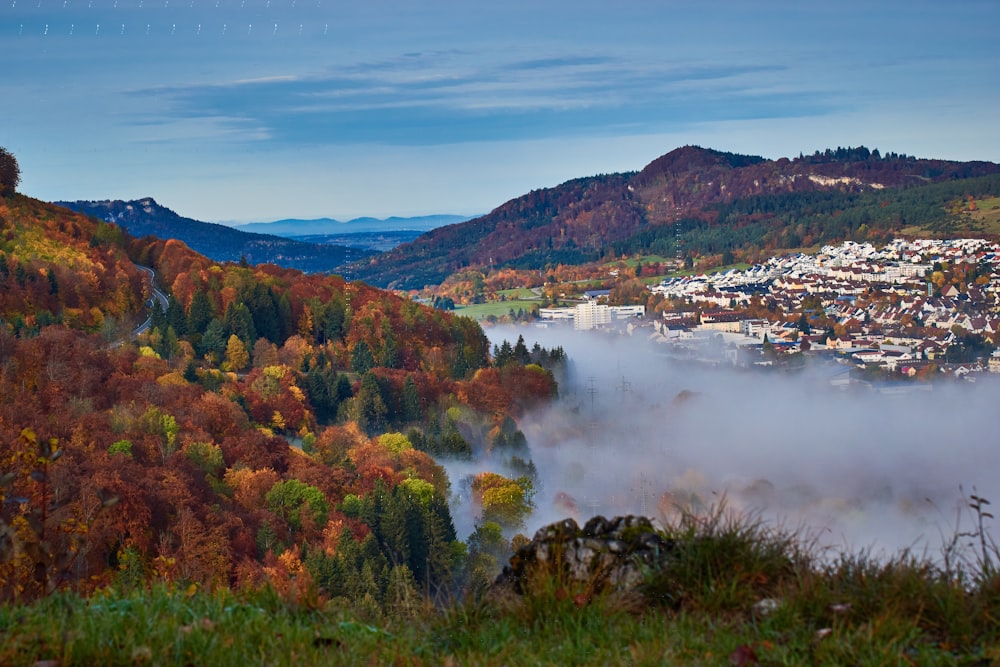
[856, 469]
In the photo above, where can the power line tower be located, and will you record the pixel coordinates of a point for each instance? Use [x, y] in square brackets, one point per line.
[678, 242]
[624, 387]
[643, 495]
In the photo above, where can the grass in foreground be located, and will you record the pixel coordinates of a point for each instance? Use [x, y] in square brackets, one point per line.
[737, 591]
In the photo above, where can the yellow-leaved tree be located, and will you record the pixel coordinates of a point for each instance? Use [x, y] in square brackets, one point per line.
[237, 356]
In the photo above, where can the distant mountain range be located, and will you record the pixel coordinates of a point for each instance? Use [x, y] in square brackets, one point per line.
[690, 203]
[145, 217]
[694, 201]
[295, 228]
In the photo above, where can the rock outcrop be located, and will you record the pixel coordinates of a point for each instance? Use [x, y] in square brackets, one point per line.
[611, 555]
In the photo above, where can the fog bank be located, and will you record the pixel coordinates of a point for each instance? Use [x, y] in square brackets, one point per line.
[634, 432]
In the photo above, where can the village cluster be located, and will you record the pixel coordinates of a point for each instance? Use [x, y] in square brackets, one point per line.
[912, 307]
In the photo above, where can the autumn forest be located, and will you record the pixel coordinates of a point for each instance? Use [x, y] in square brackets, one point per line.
[265, 428]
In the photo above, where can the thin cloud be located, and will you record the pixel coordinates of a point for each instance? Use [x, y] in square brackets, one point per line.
[440, 98]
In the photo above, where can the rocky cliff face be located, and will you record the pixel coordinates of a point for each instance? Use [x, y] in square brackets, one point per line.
[606, 554]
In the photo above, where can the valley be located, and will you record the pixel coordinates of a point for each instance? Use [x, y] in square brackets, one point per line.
[171, 422]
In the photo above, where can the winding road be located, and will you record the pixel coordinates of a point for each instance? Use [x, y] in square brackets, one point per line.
[157, 295]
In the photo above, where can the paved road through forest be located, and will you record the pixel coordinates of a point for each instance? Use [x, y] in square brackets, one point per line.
[155, 294]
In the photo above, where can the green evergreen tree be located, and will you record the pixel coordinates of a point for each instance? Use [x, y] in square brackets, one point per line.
[239, 321]
[286, 322]
[453, 444]
[390, 350]
[169, 345]
[199, 312]
[344, 390]
[176, 317]
[460, 366]
[329, 572]
[333, 321]
[157, 316]
[487, 549]
[361, 358]
[803, 325]
[411, 401]
[372, 412]
[321, 386]
[395, 530]
[213, 342]
[444, 551]
[505, 355]
[521, 355]
[264, 311]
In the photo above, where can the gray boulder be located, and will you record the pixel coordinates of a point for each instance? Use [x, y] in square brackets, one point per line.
[611, 555]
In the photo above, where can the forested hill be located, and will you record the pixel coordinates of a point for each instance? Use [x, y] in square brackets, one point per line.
[714, 192]
[271, 428]
[57, 266]
[145, 217]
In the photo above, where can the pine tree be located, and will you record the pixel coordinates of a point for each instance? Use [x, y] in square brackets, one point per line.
[344, 390]
[521, 352]
[333, 321]
[213, 342]
[373, 414]
[239, 322]
[390, 350]
[264, 311]
[411, 401]
[169, 343]
[504, 355]
[176, 317]
[199, 312]
[361, 358]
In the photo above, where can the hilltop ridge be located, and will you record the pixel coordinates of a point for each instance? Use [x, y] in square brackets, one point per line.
[584, 219]
[145, 217]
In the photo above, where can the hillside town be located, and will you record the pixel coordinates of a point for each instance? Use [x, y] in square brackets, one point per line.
[913, 308]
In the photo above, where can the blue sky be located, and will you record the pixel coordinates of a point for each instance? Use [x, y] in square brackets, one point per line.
[241, 110]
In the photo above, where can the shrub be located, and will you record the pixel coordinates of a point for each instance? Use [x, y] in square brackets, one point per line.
[123, 447]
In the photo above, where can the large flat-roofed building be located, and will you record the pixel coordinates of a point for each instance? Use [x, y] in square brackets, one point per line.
[590, 315]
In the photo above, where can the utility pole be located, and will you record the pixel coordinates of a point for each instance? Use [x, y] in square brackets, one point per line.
[592, 390]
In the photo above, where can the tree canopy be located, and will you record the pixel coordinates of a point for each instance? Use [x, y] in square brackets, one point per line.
[10, 173]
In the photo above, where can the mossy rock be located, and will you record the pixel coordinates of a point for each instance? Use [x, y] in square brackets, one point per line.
[606, 555]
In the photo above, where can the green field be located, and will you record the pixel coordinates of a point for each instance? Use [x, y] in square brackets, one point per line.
[987, 215]
[480, 311]
[518, 293]
[646, 260]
